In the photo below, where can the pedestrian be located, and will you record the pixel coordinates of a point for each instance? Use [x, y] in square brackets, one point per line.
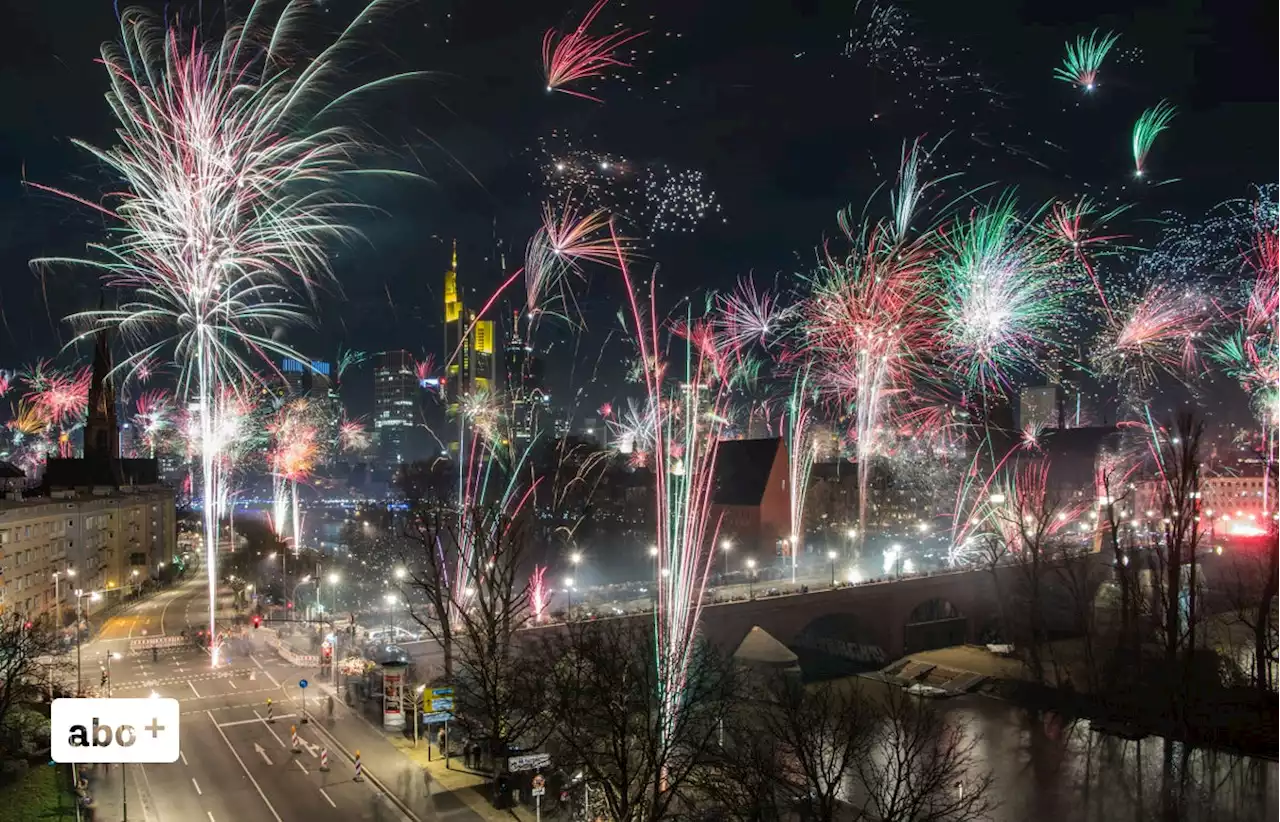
[329, 706]
[440, 740]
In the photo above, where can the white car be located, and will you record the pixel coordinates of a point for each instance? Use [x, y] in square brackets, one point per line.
[390, 636]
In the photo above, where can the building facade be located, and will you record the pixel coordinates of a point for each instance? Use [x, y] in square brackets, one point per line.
[395, 393]
[95, 542]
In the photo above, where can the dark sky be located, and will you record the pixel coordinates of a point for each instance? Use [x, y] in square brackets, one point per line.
[758, 96]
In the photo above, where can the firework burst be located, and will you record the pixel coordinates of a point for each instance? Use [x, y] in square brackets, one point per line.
[153, 415]
[1084, 58]
[227, 201]
[1160, 333]
[1153, 121]
[1001, 298]
[579, 55]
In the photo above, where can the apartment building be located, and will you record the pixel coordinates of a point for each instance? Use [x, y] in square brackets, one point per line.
[95, 542]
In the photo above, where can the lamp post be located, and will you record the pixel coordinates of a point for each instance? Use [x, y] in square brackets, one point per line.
[751, 583]
[391, 601]
[831, 555]
[133, 581]
[725, 547]
[301, 582]
[568, 592]
[93, 596]
[334, 579]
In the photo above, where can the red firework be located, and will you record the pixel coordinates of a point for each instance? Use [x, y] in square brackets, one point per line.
[579, 55]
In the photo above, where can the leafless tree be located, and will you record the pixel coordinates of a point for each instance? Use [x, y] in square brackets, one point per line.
[602, 706]
[494, 679]
[428, 553]
[27, 650]
[1173, 555]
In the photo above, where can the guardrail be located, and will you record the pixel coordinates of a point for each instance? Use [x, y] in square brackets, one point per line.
[146, 643]
[288, 654]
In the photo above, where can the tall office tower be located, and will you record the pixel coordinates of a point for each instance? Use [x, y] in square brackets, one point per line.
[395, 391]
[457, 354]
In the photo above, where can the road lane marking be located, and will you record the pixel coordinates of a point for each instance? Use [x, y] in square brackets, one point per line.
[274, 681]
[269, 729]
[193, 690]
[326, 796]
[249, 721]
[233, 684]
[245, 768]
[184, 757]
[211, 819]
[304, 767]
[261, 751]
[197, 784]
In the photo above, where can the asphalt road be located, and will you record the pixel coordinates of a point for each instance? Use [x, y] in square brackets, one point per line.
[234, 765]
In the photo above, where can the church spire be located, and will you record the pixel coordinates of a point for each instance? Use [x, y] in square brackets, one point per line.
[453, 266]
[101, 431]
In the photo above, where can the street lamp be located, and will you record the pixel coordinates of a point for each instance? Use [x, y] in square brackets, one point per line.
[831, 555]
[133, 577]
[57, 601]
[93, 596]
[568, 592]
[751, 584]
[391, 601]
[334, 579]
[726, 546]
[301, 582]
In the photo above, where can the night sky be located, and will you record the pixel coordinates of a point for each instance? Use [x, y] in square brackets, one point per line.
[768, 101]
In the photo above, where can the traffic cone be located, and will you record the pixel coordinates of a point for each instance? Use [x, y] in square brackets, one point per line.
[324, 759]
[296, 748]
[270, 708]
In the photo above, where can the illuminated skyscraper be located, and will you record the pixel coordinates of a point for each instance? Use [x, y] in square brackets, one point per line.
[471, 359]
[395, 392]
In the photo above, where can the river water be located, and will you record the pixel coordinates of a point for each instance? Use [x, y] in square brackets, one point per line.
[1050, 770]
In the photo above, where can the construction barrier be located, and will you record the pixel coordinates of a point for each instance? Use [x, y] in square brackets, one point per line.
[146, 643]
[359, 769]
[324, 759]
[297, 748]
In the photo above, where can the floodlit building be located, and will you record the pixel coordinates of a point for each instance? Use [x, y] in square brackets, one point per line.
[395, 396]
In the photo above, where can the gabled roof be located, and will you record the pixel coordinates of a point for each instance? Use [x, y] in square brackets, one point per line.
[742, 470]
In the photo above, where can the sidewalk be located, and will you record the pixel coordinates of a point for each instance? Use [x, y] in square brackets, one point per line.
[425, 789]
[108, 804]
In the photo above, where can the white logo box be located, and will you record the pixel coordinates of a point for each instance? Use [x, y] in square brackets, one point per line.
[114, 730]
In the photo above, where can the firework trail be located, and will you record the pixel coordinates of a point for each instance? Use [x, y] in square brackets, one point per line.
[29, 421]
[1084, 58]
[538, 592]
[1153, 121]
[565, 241]
[1160, 333]
[798, 433]
[1064, 224]
[348, 359]
[1249, 352]
[1023, 512]
[577, 56]
[868, 329]
[687, 432]
[1002, 296]
[6, 381]
[295, 432]
[227, 200]
[1032, 432]
[153, 415]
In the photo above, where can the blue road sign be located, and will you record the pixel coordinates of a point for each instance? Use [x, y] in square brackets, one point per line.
[436, 718]
[302, 683]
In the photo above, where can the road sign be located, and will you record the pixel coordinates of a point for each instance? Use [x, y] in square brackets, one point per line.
[528, 762]
[440, 693]
[538, 791]
[436, 718]
[302, 683]
[442, 704]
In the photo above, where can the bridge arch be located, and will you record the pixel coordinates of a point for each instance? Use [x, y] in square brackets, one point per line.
[843, 642]
[934, 623]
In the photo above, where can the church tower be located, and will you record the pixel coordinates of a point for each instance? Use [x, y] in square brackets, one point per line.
[101, 429]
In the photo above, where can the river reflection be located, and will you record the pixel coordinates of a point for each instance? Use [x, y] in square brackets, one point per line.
[1047, 768]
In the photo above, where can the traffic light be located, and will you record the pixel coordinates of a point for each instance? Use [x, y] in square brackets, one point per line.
[257, 621]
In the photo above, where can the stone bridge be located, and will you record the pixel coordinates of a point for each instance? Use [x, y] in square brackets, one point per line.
[871, 623]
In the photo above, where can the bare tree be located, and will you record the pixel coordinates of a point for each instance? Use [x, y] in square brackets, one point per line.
[605, 718]
[494, 679]
[1173, 555]
[428, 555]
[26, 650]
[921, 768]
